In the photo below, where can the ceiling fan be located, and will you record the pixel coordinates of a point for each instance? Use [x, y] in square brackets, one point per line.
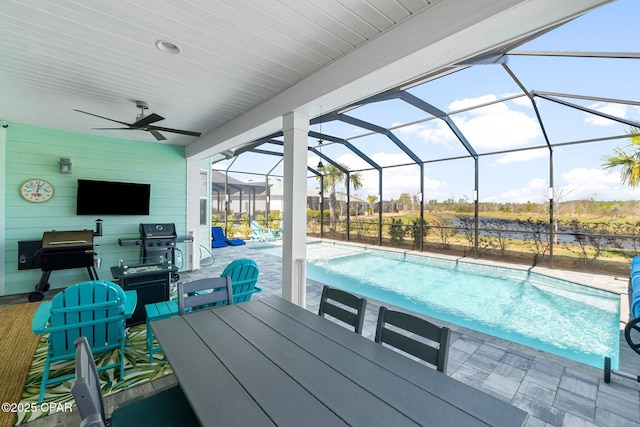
[144, 123]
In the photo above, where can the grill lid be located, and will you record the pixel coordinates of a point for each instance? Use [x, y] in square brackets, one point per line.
[67, 239]
[158, 231]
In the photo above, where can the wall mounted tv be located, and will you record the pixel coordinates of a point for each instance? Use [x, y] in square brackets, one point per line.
[112, 198]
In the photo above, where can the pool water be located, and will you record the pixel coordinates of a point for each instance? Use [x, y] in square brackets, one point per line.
[556, 316]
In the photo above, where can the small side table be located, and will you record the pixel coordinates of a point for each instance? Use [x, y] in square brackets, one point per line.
[157, 311]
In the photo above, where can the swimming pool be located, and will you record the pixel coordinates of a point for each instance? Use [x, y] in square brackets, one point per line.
[560, 317]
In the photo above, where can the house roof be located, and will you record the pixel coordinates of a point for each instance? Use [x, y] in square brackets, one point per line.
[234, 185]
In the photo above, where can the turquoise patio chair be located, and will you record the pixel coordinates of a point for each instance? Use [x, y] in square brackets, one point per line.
[260, 233]
[96, 309]
[244, 276]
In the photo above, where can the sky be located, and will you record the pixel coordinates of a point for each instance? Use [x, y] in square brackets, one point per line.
[522, 176]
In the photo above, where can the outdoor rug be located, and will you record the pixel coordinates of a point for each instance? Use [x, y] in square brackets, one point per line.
[137, 371]
[16, 354]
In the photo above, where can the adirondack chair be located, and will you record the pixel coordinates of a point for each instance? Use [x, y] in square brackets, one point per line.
[96, 309]
[244, 276]
[260, 233]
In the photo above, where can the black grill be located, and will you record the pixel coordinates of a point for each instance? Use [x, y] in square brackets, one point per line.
[67, 249]
[61, 250]
[158, 240]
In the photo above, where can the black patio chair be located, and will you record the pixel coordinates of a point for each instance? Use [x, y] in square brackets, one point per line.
[353, 318]
[421, 349]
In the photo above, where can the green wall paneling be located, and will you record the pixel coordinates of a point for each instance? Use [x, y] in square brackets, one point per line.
[33, 152]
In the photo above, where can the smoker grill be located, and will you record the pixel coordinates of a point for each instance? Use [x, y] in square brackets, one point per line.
[62, 250]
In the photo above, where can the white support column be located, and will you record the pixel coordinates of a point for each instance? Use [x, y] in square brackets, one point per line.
[294, 249]
[193, 213]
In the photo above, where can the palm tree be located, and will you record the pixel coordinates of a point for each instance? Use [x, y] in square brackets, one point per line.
[630, 162]
[332, 177]
[371, 199]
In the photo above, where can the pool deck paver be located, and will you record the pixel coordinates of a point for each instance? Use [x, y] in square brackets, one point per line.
[554, 391]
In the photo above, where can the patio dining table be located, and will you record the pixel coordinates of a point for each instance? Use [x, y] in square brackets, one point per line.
[270, 362]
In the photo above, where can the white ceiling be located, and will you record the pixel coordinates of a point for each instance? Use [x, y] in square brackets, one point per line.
[243, 63]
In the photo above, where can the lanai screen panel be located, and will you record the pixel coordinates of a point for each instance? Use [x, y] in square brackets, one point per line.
[257, 163]
[383, 150]
[579, 174]
[566, 124]
[504, 178]
[402, 185]
[388, 114]
[431, 140]
[503, 126]
[448, 180]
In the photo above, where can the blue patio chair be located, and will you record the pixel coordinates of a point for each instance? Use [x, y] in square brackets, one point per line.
[260, 233]
[96, 309]
[220, 240]
[168, 407]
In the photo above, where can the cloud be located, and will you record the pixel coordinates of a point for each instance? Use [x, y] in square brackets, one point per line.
[616, 110]
[534, 191]
[575, 184]
[496, 127]
[522, 156]
[585, 183]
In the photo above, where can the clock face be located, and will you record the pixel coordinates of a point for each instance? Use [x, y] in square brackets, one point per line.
[36, 190]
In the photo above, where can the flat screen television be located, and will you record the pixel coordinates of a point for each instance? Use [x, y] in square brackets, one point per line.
[112, 198]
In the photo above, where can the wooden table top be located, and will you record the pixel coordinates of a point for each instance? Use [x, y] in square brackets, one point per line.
[270, 362]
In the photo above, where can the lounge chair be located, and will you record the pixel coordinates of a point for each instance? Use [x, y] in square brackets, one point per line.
[96, 309]
[220, 240]
[260, 233]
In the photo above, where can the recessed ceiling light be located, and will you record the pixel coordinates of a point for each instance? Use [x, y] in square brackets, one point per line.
[168, 47]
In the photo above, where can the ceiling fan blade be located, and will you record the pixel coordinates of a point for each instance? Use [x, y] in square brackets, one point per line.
[157, 135]
[182, 132]
[147, 120]
[102, 117]
[113, 129]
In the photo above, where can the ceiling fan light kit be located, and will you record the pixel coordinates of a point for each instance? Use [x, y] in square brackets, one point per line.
[144, 123]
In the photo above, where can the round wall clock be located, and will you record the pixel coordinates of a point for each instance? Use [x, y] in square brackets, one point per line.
[36, 190]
